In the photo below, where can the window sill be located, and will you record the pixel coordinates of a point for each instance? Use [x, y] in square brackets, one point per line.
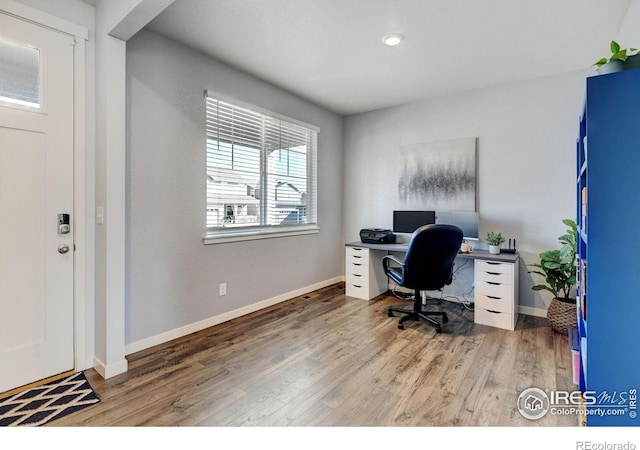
[250, 235]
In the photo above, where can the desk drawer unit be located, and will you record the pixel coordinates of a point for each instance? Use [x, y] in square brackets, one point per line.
[496, 293]
[364, 277]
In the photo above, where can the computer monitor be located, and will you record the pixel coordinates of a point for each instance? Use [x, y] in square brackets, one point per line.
[410, 221]
[468, 222]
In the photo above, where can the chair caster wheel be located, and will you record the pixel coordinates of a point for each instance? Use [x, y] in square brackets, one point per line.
[438, 330]
[445, 319]
[390, 313]
[400, 326]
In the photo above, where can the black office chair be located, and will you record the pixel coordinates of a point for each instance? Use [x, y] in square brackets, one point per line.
[427, 266]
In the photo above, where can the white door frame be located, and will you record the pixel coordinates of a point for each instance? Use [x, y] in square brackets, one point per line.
[84, 235]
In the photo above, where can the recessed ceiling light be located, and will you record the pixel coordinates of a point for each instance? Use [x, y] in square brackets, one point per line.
[392, 39]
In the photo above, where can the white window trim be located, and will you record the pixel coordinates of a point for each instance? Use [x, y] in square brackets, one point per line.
[239, 235]
[250, 235]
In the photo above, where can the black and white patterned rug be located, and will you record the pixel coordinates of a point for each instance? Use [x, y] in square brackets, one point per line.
[40, 405]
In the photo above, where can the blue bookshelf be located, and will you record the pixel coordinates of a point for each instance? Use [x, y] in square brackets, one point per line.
[608, 248]
[582, 202]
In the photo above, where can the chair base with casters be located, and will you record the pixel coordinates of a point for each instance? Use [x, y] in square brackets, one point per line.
[427, 266]
[418, 314]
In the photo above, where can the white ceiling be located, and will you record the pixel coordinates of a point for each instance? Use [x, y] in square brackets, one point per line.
[331, 51]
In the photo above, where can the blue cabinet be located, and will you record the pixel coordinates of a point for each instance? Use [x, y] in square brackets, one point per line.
[608, 215]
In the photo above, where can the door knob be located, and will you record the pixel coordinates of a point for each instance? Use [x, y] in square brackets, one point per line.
[63, 248]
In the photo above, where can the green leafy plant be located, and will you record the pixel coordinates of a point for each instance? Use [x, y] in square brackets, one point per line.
[617, 54]
[494, 238]
[558, 266]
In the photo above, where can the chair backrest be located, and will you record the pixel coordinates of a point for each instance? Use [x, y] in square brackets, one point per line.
[430, 256]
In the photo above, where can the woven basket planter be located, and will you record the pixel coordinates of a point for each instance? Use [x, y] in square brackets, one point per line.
[561, 316]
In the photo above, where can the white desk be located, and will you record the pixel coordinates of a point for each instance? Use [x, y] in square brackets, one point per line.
[495, 280]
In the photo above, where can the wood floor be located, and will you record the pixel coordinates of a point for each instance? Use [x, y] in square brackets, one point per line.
[325, 359]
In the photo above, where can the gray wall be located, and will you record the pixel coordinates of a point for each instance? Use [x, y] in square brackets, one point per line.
[172, 277]
[526, 160]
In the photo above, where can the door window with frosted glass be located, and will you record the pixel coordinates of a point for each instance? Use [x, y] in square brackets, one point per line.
[19, 74]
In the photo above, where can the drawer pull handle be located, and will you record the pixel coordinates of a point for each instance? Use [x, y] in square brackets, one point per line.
[493, 273]
[495, 298]
[355, 256]
[356, 275]
[355, 285]
[493, 312]
[357, 249]
[493, 263]
[495, 284]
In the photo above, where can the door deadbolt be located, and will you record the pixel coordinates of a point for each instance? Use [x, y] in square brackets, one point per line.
[64, 225]
[63, 248]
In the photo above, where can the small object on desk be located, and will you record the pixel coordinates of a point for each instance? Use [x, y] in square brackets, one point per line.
[377, 236]
[510, 249]
[466, 247]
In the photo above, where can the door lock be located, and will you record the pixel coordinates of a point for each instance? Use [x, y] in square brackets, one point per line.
[64, 226]
[63, 248]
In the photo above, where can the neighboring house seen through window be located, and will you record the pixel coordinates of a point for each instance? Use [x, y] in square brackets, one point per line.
[261, 172]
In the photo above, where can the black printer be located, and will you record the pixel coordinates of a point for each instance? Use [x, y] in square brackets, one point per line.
[377, 236]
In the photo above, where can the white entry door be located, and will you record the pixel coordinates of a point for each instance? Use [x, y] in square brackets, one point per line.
[36, 187]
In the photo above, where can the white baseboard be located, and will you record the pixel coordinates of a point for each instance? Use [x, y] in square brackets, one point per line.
[529, 311]
[111, 370]
[215, 320]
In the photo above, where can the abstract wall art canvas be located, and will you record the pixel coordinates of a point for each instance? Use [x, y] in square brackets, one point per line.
[439, 176]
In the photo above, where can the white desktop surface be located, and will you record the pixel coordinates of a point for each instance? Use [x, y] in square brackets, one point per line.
[402, 247]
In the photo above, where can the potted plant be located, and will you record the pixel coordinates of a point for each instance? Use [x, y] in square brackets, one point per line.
[620, 59]
[559, 271]
[494, 239]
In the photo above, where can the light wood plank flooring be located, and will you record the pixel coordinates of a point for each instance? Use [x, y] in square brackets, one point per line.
[325, 359]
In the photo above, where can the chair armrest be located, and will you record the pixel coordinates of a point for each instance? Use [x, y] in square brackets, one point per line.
[387, 259]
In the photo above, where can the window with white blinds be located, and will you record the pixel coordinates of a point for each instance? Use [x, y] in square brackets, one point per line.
[261, 172]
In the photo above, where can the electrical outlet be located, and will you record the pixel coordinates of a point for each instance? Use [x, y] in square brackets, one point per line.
[223, 289]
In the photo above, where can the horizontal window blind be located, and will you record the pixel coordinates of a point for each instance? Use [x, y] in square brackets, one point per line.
[261, 170]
